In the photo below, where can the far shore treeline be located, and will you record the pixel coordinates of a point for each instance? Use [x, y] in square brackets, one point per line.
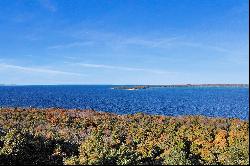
[136, 87]
[58, 136]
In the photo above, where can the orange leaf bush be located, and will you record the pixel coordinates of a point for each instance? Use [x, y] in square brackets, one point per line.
[58, 136]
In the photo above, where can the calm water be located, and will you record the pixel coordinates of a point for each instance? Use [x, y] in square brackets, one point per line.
[214, 102]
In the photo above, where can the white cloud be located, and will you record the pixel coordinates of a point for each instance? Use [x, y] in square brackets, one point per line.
[123, 68]
[112, 40]
[38, 70]
[158, 43]
[73, 44]
[205, 46]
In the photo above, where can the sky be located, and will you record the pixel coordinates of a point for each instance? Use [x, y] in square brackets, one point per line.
[124, 41]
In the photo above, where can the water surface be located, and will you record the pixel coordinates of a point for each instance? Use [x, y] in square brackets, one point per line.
[208, 101]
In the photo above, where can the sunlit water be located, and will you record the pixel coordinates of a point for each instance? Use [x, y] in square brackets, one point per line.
[208, 101]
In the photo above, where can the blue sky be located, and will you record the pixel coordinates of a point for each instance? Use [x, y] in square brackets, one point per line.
[124, 41]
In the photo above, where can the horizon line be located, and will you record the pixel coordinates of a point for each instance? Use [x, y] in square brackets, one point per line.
[124, 84]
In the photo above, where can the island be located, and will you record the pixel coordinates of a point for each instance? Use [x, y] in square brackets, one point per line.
[138, 87]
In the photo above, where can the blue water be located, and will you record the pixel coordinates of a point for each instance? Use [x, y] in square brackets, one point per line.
[212, 101]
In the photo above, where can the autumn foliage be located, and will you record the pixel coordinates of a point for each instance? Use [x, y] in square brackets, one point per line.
[57, 136]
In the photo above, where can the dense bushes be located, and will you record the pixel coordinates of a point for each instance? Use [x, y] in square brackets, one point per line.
[55, 136]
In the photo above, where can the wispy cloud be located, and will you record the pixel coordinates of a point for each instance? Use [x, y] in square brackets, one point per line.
[38, 70]
[102, 66]
[205, 46]
[116, 40]
[48, 5]
[112, 40]
[73, 44]
[153, 43]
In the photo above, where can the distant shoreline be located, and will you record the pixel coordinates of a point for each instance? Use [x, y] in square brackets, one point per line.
[137, 87]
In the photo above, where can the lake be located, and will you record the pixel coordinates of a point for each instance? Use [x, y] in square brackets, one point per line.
[207, 101]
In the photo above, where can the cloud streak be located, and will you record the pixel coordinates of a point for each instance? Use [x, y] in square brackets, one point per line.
[101, 66]
[38, 70]
[70, 45]
[205, 46]
[112, 40]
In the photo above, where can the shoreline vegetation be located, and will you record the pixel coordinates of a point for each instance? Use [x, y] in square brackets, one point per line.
[138, 87]
[73, 137]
